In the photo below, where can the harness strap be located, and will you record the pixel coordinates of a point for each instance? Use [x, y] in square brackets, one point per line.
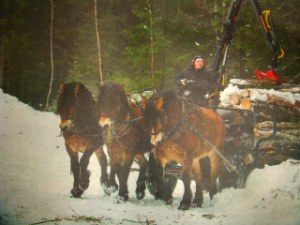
[227, 163]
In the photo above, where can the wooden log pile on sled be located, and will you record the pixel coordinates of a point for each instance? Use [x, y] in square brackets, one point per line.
[277, 112]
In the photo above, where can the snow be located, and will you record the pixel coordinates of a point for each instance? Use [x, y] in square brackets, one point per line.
[259, 94]
[230, 90]
[35, 183]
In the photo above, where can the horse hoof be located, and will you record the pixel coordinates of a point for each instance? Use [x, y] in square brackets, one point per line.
[211, 194]
[84, 186]
[152, 186]
[113, 185]
[184, 206]
[85, 180]
[76, 192]
[109, 190]
[169, 200]
[121, 199]
[140, 195]
[104, 182]
[197, 205]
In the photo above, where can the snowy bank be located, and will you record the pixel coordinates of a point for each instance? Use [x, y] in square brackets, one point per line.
[35, 183]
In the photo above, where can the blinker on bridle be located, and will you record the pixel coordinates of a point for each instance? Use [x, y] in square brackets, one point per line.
[162, 117]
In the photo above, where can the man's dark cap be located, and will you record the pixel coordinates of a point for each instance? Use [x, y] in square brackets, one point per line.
[197, 57]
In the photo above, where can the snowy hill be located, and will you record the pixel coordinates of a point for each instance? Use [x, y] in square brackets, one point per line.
[35, 183]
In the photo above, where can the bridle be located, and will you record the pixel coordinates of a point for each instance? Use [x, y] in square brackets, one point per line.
[120, 127]
[173, 132]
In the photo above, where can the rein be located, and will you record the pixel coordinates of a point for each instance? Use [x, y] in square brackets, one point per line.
[123, 127]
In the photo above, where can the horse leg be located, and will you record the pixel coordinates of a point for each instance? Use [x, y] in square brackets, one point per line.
[152, 181]
[112, 180]
[102, 159]
[123, 174]
[186, 179]
[214, 171]
[84, 172]
[76, 191]
[197, 172]
[140, 184]
[161, 189]
[104, 179]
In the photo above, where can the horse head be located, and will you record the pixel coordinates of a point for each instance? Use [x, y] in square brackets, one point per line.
[112, 105]
[162, 115]
[75, 104]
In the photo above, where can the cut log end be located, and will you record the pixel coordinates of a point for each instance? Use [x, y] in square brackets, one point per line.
[245, 93]
[245, 104]
[234, 99]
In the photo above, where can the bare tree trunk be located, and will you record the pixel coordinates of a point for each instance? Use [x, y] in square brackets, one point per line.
[51, 55]
[151, 40]
[1, 61]
[100, 66]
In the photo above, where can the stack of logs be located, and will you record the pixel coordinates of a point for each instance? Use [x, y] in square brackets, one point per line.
[277, 111]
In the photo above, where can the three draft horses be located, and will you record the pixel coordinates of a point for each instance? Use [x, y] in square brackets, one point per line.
[174, 130]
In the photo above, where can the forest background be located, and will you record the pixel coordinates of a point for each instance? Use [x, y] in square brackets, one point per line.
[143, 43]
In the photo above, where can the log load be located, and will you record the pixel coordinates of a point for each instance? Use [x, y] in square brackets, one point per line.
[277, 114]
[288, 130]
[277, 148]
[277, 142]
[285, 100]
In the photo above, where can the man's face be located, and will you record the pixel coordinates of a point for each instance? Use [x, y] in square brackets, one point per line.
[199, 64]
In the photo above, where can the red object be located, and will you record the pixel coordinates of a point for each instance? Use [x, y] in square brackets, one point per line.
[269, 75]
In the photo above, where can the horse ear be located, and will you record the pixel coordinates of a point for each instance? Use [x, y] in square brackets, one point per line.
[76, 90]
[159, 103]
[144, 102]
[61, 86]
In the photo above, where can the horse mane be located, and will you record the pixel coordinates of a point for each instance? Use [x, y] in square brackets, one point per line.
[171, 107]
[109, 90]
[86, 105]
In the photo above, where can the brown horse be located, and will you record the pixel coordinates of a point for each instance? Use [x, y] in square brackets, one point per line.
[81, 132]
[186, 134]
[125, 138]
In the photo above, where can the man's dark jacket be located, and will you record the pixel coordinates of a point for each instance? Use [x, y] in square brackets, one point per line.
[198, 83]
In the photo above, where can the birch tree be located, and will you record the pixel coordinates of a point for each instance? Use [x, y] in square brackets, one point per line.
[51, 54]
[100, 66]
[151, 39]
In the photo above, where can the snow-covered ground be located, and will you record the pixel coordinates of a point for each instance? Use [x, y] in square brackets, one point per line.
[35, 183]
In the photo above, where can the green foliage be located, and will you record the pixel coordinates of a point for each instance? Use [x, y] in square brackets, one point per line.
[181, 29]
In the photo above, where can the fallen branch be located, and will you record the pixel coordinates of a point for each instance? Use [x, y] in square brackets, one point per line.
[140, 222]
[46, 221]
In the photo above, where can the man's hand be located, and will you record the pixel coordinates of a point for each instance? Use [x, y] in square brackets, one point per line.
[183, 82]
